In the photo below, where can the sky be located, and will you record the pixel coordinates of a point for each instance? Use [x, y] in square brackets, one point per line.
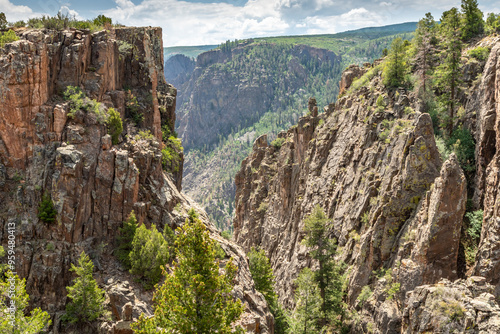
[204, 22]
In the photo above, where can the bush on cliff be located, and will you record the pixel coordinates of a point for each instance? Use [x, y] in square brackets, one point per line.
[125, 238]
[115, 126]
[46, 210]
[148, 255]
[8, 37]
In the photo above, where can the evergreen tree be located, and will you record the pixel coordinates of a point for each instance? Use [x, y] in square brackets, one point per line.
[195, 297]
[448, 72]
[472, 22]
[424, 42]
[329, 275]
[125, 238]
[46, 211]
[262, 273]
[87, 299]
[305, 318]
[115, 125]
[18, 322]
[263, 277]
[492, 23]
[395, 67]
[3, 21]
[148, 255]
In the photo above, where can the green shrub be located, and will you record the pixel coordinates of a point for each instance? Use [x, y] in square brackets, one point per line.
[365, 294]
[480, 53]
[277, 143]
[87, 299]
[115, 125]
[226, 235]
[50, 246]
[46, 211]
[102, 21]
[365, 79]
[8, 37]
[219, 252]
[78, 101]
[20, 24]
[170, 154]
[61, 22]
[365, 218]
[462, 143]
[149, 253]
[144, 135]
[125, 238]
[380, 101]
[475, 224]
[133, 108]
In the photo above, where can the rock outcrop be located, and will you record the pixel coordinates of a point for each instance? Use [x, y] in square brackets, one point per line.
[45, 149]
[371, 162]
[488, 139]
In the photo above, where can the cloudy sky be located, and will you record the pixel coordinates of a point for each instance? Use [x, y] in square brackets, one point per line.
[200, 22]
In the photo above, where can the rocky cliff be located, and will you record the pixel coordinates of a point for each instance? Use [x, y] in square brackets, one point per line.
[396, 208]
[46, 149]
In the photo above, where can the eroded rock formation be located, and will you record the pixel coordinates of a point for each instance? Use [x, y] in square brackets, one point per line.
[396, 208]
[45, 149]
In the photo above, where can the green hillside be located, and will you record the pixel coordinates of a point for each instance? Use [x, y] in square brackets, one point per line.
[189, 51]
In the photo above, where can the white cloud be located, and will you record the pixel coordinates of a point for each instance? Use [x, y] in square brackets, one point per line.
[189, 23]
[354, 19]
[14, 12]
[66, 11]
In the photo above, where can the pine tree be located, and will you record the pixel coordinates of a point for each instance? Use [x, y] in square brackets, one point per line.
[329, 275]
[18, 322]
[148, 255]
[306, 317]
[115, 125]
[263, 277]
[46, 211]
[125, 238]
[87, 299]
[22, 323]
[424, 42]
[492, 23]
[195, 297]
[3, 21]
[472, 22]
[395, 68]
[448, 72]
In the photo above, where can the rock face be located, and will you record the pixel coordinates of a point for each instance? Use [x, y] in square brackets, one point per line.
[488, 139]
[178, 68]
[396, 208]
[94, 185]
